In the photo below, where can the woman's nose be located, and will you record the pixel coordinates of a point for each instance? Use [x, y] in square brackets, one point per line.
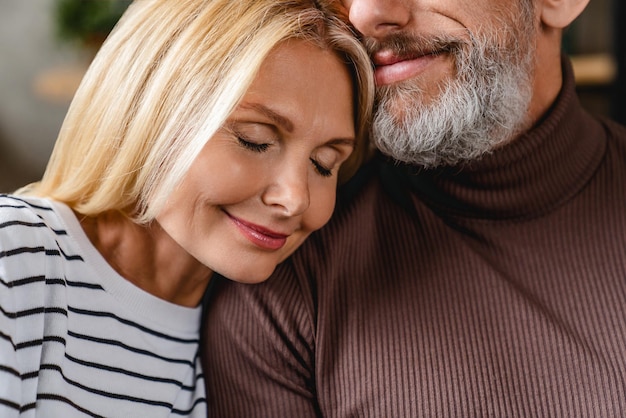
[288, 191]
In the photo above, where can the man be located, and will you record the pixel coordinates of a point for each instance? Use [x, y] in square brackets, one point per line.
[480, 270]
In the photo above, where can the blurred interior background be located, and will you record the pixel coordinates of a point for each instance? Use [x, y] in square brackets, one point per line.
[45, 48]
[46, 45]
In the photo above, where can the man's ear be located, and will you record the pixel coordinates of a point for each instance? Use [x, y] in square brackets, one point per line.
[560, 13]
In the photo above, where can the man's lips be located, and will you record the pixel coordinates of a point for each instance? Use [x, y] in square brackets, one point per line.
[392, 68]
[258, 235]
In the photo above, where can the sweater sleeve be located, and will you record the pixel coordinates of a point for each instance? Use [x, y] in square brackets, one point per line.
[258, 349]
[10, 376]
[23, 247]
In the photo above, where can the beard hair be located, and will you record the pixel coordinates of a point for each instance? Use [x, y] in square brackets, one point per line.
[484, 106]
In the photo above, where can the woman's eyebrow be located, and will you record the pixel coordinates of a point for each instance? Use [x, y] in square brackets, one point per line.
[277, 118]
[349, 141]
[287, 125]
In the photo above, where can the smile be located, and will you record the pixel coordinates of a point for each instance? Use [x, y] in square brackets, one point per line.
[391, 68]
[258, 235]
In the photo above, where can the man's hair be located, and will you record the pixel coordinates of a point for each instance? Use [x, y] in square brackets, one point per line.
[164, 82]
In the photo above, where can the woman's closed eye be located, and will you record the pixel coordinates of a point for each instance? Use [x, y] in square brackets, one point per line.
[252, 145]
[327, 159]
[321, 169]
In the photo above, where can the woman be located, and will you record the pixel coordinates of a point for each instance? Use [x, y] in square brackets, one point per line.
[206, 137]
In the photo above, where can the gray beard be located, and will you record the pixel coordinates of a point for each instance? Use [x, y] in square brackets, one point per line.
[484, 106]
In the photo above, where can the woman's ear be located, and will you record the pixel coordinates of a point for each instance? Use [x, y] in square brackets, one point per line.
[560, 13]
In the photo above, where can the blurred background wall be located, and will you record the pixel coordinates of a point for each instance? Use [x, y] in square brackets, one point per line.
[29, 120]
[38, 72]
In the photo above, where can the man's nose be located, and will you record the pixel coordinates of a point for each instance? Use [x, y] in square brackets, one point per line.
[378, 18]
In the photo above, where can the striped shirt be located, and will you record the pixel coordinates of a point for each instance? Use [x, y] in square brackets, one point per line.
[76, 338]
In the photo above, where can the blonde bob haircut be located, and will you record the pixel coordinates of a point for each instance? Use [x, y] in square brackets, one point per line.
[165, 81]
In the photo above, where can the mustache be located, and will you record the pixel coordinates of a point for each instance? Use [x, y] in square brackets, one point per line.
[412, 46]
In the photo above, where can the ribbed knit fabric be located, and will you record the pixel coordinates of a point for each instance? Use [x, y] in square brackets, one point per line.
[496, 290]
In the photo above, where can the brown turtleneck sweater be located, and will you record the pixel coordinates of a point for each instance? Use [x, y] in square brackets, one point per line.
[498, 290]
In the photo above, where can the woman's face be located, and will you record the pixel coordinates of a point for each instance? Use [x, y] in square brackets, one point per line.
[268, 178]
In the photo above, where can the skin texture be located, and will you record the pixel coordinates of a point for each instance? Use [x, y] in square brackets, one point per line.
[431, 70]
[259, 187]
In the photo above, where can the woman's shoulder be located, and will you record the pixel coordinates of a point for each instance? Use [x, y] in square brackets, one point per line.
[30, 231]
[23, 207]
[22, 217]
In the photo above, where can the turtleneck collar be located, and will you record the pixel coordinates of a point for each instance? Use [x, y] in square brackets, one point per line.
[529, 176]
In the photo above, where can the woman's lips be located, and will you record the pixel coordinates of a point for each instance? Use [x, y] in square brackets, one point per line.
[393, 69]
[260, 236]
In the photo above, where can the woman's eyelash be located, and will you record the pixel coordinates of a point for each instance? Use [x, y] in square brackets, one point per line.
[255, 147]
[322, 171]
[252, 146]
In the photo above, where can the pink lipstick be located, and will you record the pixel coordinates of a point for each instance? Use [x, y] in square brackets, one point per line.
[260, 236]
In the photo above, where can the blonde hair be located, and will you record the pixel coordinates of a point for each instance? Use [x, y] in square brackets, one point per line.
[164, 82]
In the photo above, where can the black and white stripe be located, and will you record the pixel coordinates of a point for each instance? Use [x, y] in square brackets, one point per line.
[76, 339]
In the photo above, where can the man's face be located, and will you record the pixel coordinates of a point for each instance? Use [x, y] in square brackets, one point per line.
[453, 76]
